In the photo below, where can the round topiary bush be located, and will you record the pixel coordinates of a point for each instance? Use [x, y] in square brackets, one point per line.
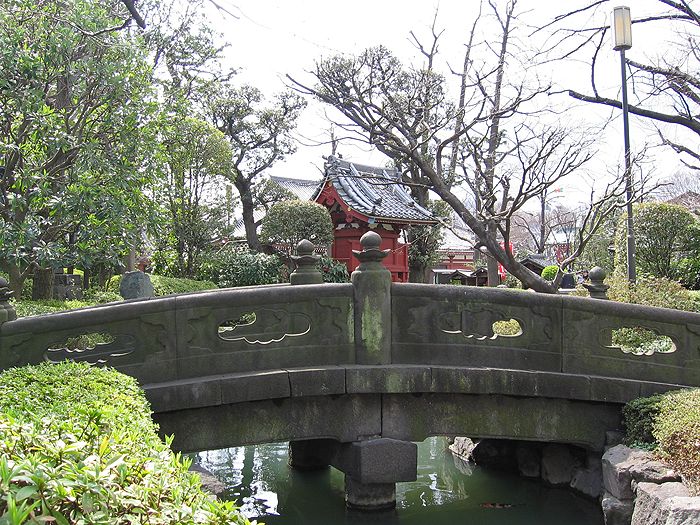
[550, 272]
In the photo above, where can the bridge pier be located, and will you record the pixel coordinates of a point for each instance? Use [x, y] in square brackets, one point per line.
[372, 467]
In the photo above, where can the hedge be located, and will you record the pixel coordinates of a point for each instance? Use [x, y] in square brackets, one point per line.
[669, 424]
[167, 285]
[77, 445]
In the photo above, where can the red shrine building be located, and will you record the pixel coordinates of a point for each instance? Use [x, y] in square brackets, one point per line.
[361, 199]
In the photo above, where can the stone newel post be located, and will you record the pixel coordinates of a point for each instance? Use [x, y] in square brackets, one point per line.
[372, 282]
[597, 288]
[306, 271]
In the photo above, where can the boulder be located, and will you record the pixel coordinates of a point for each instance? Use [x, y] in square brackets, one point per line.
[653, 471]
[135, 285]
[617, 463]
[615, 511]
[588, 480]
[665, 504]
[210, 483]
[558, 464]
[529, 460]
[463, 447]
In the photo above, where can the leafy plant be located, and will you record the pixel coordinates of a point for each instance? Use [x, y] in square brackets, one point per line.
[77, 445]
[638, 418]
[677, 430]
[650, 291]
[166, 285]
[333, 271]
[549, 272]
[663, 233]
[233, 266]
[289, 222]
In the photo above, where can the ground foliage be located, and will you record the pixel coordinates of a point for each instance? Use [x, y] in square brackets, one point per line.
[77, 445]
[669, 424]
[234, 266]
[167, 285]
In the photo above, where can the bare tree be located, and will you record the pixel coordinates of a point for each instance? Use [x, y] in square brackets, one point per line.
[666, 88]
[406, 113]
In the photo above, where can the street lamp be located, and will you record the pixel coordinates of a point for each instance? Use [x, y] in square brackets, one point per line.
[622, 40]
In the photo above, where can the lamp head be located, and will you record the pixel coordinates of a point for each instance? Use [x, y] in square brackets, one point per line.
[621, 28]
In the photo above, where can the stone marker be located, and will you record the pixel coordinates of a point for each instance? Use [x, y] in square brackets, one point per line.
[135, 285]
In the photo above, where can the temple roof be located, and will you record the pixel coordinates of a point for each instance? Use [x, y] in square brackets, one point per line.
[375, 192]
[304, 190]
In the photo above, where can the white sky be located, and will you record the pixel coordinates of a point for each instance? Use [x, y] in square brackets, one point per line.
[272, 38]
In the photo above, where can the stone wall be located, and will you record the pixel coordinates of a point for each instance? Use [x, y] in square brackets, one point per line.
[640, 490]
[634, 488]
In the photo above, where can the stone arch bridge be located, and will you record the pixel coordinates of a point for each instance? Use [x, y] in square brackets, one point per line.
[352, 374]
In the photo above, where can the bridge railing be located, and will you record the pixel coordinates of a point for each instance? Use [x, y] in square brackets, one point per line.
[368, 322]
[445, 325]
[192, 335]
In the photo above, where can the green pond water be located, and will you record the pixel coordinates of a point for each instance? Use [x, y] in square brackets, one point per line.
[447, 491]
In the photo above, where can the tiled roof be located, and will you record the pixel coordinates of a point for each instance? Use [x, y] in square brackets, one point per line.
[304, 190]
[689, 199]
[374, 191]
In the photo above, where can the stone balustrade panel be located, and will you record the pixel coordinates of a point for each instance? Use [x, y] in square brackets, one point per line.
[451, 325]
[143, 343]
[175, 337]
[263, 328]
[588, 349]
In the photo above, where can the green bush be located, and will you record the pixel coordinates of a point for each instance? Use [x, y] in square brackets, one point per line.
[166, 285]
[651, 291]
[77, 445]
[97, 296]
[677, 430]
[638, 418]
[232, 267]
[333, 271]
[669, 424]
[549, 272]
[687, 272]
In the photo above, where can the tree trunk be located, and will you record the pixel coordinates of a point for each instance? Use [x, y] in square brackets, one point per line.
[16, 279]
[251, 233]
[42, 288]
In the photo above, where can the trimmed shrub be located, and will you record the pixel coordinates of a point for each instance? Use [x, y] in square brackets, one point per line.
[333, 271]
[77, 445]
[288, 222]
[232, 267]
[166, 285]
[29, 308]
[651, 291]
[687, 272]
[638, 419]
[97, 296]
[677, 430]
[663, 234]
[549, 272]
[669, 424]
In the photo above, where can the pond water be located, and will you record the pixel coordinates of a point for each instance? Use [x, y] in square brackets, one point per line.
[447, 491]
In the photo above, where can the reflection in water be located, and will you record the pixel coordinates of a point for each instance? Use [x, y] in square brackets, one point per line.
[447, 492]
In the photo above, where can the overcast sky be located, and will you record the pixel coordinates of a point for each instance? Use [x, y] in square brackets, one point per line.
[272, 38]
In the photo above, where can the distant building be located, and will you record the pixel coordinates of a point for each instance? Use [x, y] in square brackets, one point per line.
[689, 200]
[363, 198]
[360, 199]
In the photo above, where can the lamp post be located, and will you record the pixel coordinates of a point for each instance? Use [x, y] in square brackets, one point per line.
[622, 40]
